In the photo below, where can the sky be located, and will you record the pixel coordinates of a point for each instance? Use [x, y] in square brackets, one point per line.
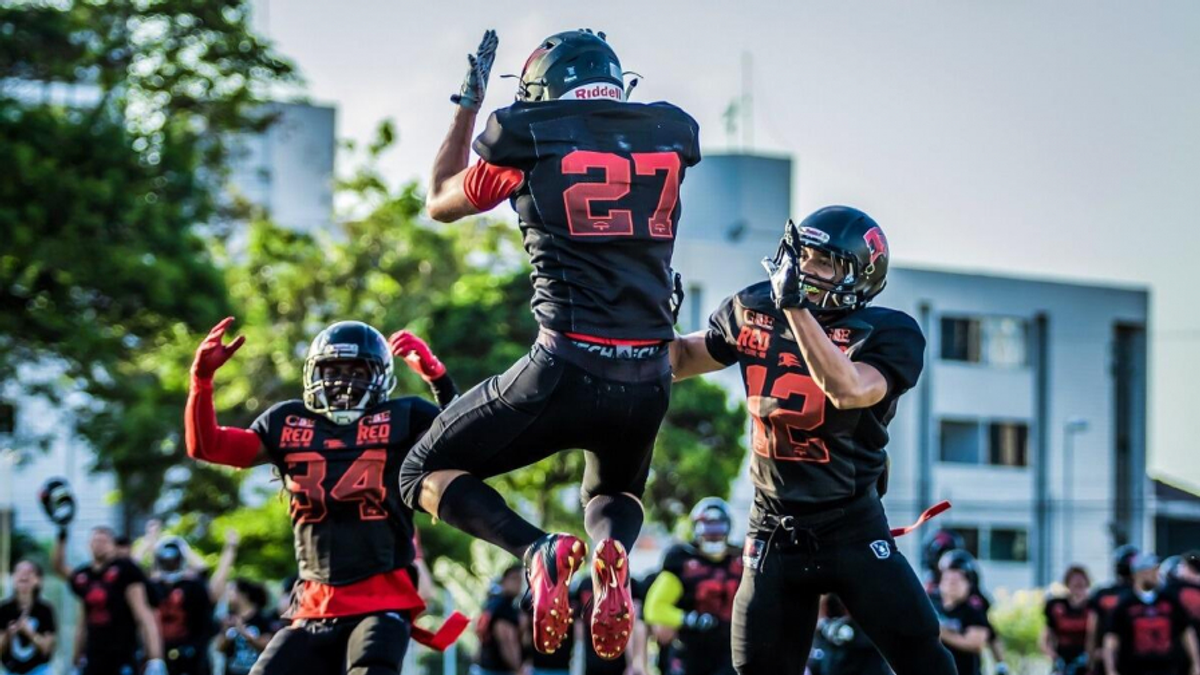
[1054, 140]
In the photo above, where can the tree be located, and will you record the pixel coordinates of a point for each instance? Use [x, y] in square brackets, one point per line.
[101, 259]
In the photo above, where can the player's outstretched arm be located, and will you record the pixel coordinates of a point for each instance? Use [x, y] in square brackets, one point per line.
[417, 355]
[447, 199]
[205, 440]
[690, 356]
[847, 384]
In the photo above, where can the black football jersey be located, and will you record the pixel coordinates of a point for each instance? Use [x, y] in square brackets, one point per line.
[599, 208]
[185, 611]
[1151, 634]
[347, 517]
[806, 452]
[708, 586]
[111, 628]
[1069, 626]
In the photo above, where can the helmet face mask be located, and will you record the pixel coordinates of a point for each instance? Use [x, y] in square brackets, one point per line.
[348, 371]
[851, 247]
[711, 525]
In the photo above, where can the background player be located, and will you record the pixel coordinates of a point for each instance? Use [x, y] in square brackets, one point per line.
[337, 449]
[823, 372]
[690, 603]
[1149, 633]
[1064, 639]
[1104, 600]
[595, 182]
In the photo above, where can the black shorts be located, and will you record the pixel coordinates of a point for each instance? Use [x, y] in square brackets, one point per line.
[848, 551]
[372, 644]
[559, 397]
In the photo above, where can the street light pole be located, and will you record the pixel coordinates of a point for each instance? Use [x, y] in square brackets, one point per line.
[1073, 426]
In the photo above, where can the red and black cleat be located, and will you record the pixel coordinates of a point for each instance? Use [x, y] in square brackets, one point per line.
[612, 615]
[549, 564]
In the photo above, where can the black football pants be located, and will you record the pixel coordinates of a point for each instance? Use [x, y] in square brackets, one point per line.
[559, 397]
[373, 644]
[849, 552]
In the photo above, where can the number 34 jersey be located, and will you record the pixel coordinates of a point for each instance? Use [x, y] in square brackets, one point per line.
[808, 453]
[599, 207]
[348, 520]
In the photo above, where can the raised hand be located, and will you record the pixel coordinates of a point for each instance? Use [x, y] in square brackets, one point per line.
[213, 352]
[416, 355]
[474, 85]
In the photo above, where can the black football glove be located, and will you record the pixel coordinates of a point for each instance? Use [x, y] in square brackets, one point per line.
[474, 85]
[787, 291]
[699, 622]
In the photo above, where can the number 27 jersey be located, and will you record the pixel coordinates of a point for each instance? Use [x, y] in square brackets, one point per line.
[806, 451]
[348, 521]
[599, 208]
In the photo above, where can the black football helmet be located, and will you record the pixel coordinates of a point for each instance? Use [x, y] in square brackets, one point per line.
[343, 400]
[712, 520]
[938, 543]
[568, 60]
[859, 250]
[963, 561]
[1122, 559]
[58, 501]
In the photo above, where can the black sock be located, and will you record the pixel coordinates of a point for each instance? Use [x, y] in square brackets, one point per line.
[472, 506]
[614, 516]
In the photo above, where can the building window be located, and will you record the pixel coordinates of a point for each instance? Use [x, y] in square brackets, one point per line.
[970, 537]
[1008, 443]
[8, 417]
[995, 340]
[1009, 545]
[991, 443]
[960, 442]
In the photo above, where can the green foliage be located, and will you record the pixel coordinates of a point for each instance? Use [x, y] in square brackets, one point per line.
[1019, 618]
[101, 264]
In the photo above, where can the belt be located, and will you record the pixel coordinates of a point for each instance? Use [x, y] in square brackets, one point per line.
[619, 363]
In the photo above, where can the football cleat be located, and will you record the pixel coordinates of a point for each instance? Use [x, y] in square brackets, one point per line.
[549, 564]
[612, 613]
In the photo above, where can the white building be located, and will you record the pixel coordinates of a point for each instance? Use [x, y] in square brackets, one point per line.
[1030, 416]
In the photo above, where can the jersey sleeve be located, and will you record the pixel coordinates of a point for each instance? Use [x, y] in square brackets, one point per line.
[506, 141]
[691, 146]
[722, 333]
[897, 349]
[488, 185]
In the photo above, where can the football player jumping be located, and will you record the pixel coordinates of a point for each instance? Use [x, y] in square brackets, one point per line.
[595, 181]
[337, 450]
[823, 371]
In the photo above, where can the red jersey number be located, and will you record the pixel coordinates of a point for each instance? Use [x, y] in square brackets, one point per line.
[583, 221]
[790, 439]
[362, 483]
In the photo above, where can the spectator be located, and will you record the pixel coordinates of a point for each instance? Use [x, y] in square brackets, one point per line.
[27, 629]
[1064, 639]
[247, 628]
[498, 627]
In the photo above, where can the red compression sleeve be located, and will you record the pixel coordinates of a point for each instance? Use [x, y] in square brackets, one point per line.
[486, 185]
[209, 442]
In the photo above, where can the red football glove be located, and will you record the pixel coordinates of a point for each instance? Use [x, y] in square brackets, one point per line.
[212, 353]
[416, 355]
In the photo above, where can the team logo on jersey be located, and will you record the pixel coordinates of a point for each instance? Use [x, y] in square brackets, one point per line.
[876, 244]
[758, 319]
[753, 341]
[297, 432]
[380, 418]
[788, 360]
[881, 549]
[373, 434]
[111, 575]
[752, 554]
